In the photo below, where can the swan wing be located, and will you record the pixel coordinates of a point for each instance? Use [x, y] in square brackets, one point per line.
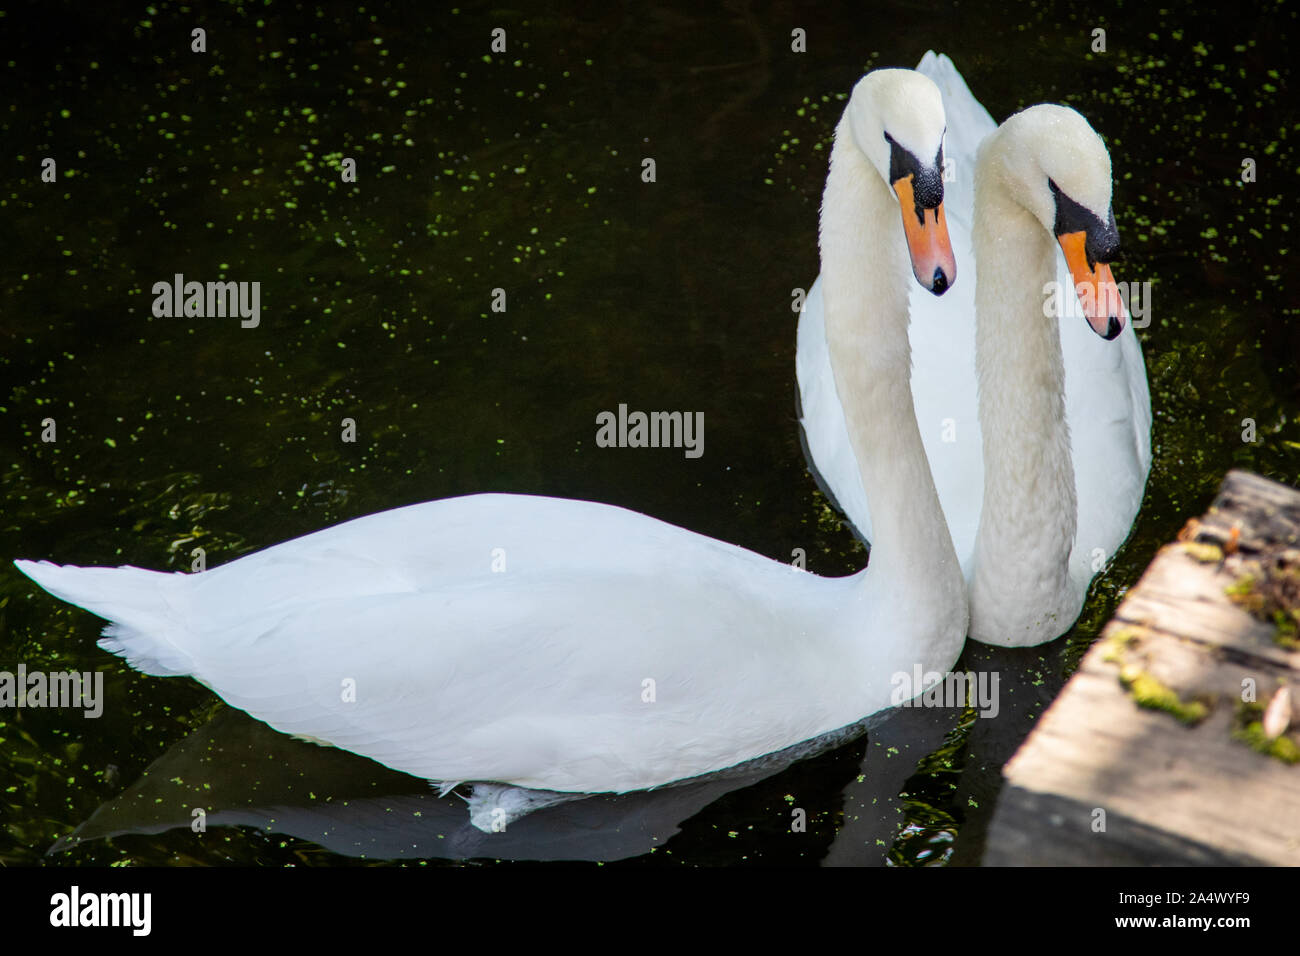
[541, 642]
[1108, 408]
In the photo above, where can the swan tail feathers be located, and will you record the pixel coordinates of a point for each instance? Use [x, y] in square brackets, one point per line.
[445, 787]
[145, 628]
[960, 105]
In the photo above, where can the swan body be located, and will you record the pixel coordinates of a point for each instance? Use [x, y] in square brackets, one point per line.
[1024, 591]
[532, 676]
[610, 651]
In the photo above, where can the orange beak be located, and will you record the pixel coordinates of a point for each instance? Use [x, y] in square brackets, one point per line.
[1095, 287]
[927, 240]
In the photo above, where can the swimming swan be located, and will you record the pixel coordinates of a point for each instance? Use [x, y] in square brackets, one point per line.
[614, 652]
[1041, 478]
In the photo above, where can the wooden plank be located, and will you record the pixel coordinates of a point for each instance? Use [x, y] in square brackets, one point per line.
[1169, 792]
[1181, 596]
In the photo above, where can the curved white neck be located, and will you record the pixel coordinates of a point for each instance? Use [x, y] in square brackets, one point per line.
[1029, 513]
[865, 276]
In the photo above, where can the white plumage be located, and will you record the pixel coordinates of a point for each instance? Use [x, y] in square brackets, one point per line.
[1106, 401]
[613, 652]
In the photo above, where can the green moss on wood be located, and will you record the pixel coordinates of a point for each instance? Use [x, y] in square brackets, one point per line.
[1271, 594]
[1287, 628]
[1249, 730]
[1203, 552]
[1150, 693]
[1120, 640]
[1242, 591]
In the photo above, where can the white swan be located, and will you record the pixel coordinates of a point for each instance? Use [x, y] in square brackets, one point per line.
[614, 652]
[1069, 486]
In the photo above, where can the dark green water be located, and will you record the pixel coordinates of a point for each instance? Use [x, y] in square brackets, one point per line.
[521, 171]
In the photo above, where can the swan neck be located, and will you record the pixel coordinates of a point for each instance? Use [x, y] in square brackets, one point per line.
[1029, 515]
[863, 270]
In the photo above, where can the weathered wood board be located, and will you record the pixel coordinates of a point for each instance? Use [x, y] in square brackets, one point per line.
[1169, 792]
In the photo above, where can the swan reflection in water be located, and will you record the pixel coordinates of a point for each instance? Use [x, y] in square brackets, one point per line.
[241, 773]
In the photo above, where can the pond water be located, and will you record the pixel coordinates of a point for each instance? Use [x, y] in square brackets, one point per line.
[522, 171]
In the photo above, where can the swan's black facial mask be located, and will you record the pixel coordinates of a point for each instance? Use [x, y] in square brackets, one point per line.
[1102, 238]
[1089, 246]
[919, 187]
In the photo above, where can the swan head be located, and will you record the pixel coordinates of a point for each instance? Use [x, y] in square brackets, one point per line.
[896, 119]
[1056, 166]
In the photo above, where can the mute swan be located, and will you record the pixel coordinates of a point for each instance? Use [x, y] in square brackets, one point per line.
[1069, 484]
[614, 652]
